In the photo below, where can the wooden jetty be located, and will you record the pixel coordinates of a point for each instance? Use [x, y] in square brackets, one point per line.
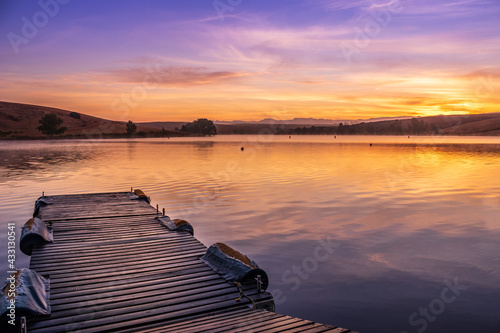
[113, 267]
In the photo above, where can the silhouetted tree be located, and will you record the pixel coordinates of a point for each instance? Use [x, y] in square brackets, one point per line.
[50, 125]
[341, 128]
[131, 128]
[201, 126]
[418, 126]
[75, 115]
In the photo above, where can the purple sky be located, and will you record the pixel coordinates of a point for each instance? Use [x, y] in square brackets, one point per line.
[248, 60]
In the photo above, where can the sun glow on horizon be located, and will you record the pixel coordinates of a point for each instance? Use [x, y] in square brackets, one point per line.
[248, 65]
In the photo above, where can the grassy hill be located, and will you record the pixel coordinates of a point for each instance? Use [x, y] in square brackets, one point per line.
[21, 121]
[487, 124]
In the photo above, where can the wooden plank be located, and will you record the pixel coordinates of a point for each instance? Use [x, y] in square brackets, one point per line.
[178, 325]
[129, 302]
[91, 271]
[134, 248]
[177, 266]
[144, 313]
[262, 321]
[290, 324]
[93, 264]
[83, 284]
[134, 288]
[104, 244]
[71, 215]
[54, 248]
[84, 253]
[90, 206]
[227, 324]
[117, 281]
[319, 328]
[128, 257]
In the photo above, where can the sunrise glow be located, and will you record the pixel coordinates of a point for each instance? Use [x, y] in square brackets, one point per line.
[178, 60]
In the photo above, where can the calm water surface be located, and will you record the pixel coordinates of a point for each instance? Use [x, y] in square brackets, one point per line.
[365, 237]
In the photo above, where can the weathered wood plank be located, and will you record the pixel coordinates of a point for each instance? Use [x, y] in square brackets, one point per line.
[322, 329]
[127, 302]
[227, 323]
[144, 313]
[91, 206]
[177, 266]
[134, 288]
[260, 322]
[339, 330]
[103, 246]
[179, 324]
[117, 281]
[84, 254]
[92, 264]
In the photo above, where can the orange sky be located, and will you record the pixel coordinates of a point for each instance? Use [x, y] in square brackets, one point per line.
[337, 60]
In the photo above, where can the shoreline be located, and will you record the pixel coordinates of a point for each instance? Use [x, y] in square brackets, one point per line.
[115, 137]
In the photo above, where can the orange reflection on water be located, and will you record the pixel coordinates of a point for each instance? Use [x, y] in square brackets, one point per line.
[403, 211]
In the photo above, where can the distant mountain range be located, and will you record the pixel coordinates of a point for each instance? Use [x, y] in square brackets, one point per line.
[307, 121]
[21, 121]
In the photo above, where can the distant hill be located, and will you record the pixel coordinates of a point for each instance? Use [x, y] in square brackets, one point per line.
[306, 121]
[21, 121]
[489, 126]
[480, 124]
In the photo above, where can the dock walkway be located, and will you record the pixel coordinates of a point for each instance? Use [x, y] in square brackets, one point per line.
[114, 268]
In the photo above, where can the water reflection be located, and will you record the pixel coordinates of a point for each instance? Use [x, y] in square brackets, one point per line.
[23, 158]
[405, 214]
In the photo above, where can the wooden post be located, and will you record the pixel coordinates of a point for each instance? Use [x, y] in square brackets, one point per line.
[23, 328]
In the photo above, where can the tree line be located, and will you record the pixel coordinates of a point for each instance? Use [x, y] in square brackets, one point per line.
[396, 127]
[51, 124]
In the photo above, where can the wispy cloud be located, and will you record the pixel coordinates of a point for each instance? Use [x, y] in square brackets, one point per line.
[172, 75]
[343, 4]
[415, 7]
[426, 9]
[493, 73]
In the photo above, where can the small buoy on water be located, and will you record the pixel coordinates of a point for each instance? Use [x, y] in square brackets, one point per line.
[242, 148]
[289, 136]
[334, 136]
[370, 144]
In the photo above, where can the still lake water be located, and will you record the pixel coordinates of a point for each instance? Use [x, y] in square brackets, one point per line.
[402, 220]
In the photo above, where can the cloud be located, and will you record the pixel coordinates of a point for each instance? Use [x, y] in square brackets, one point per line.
[343, 5]
[417, 7]
[173, 75]
[429, 101]
[441, 8]
[492, 74]
[311, 82]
